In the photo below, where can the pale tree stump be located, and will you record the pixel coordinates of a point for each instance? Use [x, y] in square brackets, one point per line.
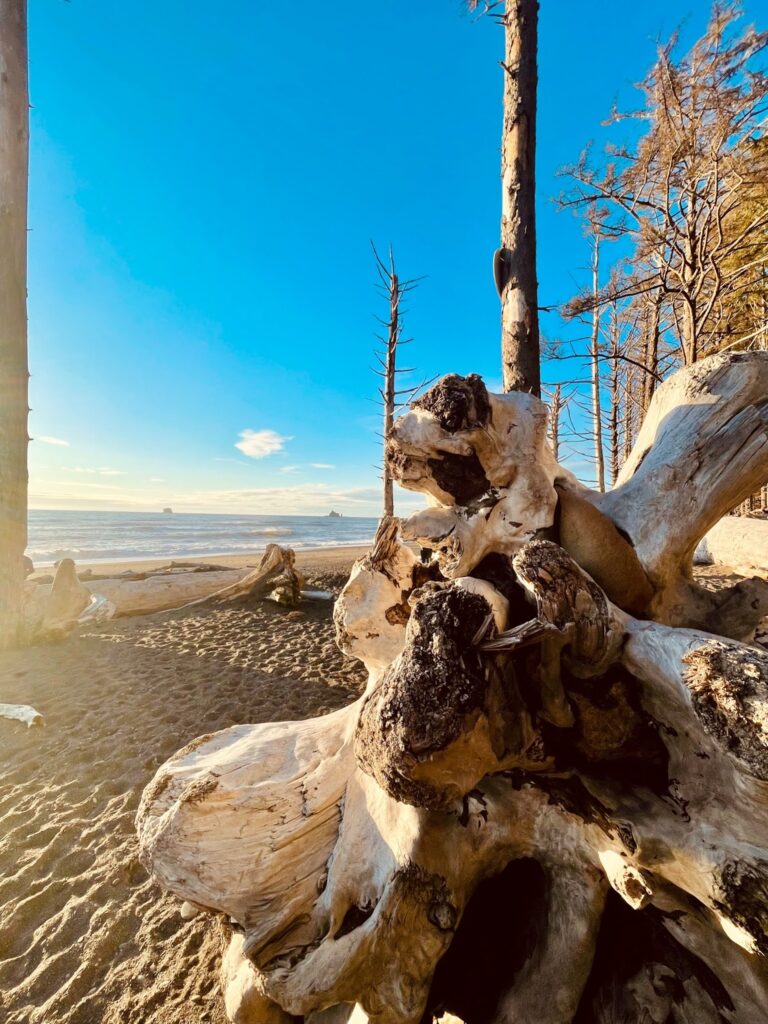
[551, 803]
[276, 572]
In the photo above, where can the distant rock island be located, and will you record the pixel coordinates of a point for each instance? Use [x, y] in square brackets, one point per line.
[334, 515]
[168, 511]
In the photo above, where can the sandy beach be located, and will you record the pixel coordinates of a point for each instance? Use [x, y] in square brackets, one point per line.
[330, 559]
[85, 937]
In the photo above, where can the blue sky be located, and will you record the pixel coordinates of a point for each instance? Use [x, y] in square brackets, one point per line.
[205, 179]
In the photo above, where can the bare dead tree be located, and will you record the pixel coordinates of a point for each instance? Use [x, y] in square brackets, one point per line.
[555, 409]
[391, 396]
[564, 437]
[515, 261]
[610, 356]
[631, 419]
[588, 305]
[651, 337]
[594, 353]
[614, 393]
[679, 192]
[637, 358]
[14, 373]
[739, 317]
[520, 318]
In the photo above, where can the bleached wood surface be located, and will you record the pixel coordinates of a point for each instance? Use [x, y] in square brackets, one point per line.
[21, 713]
[153, 594]
[516, 711]
[738, 541]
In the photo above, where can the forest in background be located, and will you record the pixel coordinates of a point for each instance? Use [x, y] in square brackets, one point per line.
[675, 218]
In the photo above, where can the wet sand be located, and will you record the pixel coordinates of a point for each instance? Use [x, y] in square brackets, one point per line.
[85, 937]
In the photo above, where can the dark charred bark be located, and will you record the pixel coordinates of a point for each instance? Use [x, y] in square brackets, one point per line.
[520, 316]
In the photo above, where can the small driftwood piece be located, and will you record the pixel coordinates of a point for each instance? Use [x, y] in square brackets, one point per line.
[196, 567]
[21, 713]
[172, 568]
[550, 805]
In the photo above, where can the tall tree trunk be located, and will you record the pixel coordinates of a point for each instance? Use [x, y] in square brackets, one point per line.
[613, 424]
[689, 339]
[630, 413]
[594, 354]
[651, 361]
[14, 160]
[390, 370]
[519, 297]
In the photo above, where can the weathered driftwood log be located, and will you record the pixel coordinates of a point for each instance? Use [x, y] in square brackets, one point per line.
[702, 447]
[275, 572]
[53, 610]
[485, 458]
[551, 803]
[740, 542]
[370, 621]
[152, 593]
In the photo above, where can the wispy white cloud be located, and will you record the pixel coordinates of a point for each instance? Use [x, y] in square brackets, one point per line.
[97, 471]
[53, 440]
[156, 480]
[311, 465]
[258, 444]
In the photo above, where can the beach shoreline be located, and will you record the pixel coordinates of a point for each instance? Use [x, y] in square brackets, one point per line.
[328, 557]
[94, 539]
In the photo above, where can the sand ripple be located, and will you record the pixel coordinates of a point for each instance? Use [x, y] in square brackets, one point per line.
[85, 937]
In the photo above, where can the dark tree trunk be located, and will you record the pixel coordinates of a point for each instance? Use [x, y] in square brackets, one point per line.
[519, 315]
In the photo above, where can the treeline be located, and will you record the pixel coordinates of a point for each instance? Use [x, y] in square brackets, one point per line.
[676, 224]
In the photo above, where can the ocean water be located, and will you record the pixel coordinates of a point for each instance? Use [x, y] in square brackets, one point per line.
[109, 536]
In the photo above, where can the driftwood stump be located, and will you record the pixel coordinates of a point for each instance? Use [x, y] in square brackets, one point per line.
[551, 803]
[275, 573]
